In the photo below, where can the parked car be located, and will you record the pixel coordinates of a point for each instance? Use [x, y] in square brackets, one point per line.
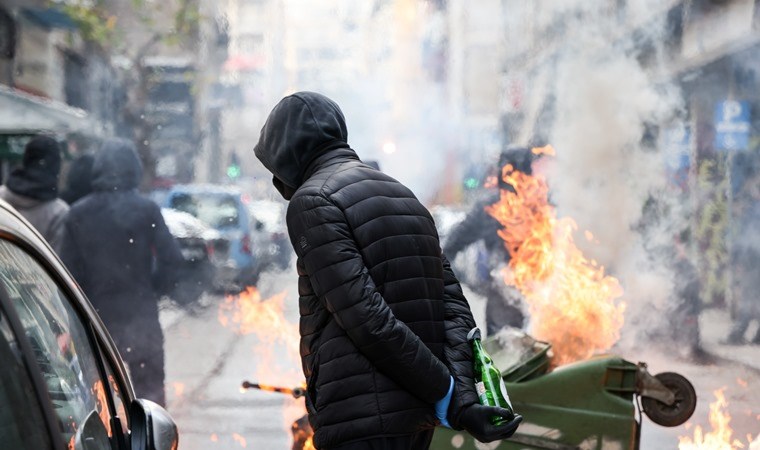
[223, 209]
[206, 253]
[272, 244]
[63, 384]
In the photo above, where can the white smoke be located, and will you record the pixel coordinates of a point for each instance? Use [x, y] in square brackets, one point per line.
[604, 173]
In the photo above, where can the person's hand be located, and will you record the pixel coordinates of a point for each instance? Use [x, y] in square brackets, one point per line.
[476, 420]
[442, 405]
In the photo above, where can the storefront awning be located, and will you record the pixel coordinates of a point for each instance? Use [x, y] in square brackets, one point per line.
[22, 113]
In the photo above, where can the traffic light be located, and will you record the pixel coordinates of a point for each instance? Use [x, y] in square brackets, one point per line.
[471, 183]
[233, 169]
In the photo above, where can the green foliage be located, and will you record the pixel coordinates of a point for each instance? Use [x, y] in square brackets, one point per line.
[712, 229]
[94, 22]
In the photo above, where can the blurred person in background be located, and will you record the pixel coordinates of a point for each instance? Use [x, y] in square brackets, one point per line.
[118, 248]
[503, 303]
[33, 188]
[384, 321]
[745, 254]
[78, 179]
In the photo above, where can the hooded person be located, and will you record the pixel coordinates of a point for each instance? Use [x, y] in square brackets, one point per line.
[78, 180]
[383, 322]
[118, 248]
[502, 301]
[33, 188]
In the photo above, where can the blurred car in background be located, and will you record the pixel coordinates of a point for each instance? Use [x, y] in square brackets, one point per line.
[206, 253]
[63, 384]
[223, 209]
[272, 244]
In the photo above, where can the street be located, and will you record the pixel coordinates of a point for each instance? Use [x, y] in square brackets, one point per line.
[206, 363]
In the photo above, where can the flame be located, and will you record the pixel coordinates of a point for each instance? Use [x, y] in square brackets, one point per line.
[302, 432]
[572, 303]
[179, 388]
[277, 350]
[741, 382]
[239, 439]
[99, 391]
[720, 438]
[214, 437]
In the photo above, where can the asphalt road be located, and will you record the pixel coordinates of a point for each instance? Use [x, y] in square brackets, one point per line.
[206, 363]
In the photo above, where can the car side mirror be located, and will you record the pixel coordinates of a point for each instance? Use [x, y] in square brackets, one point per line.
[152, 427]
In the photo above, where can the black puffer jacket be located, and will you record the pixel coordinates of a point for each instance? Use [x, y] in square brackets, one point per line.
[116, 243]
[383, 319]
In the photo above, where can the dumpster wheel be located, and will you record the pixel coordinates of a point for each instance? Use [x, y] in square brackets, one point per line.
[683, 407]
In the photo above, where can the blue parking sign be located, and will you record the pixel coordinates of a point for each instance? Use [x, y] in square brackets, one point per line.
[732, 125]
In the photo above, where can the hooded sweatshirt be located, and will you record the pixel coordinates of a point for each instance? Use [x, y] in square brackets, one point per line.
[33, 189]
[383, 319]
[116, 242]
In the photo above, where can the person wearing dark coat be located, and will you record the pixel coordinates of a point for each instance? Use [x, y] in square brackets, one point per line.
[502, 304]
[78, 180]
[33, 189]
[383, 322]
[118, 248]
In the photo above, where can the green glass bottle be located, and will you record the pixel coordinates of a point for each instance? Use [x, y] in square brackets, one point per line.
[488, 381]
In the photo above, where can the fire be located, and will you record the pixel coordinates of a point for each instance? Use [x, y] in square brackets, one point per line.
[720, 438]
[572, 303]
[239, 439]
[277, 350]
[179, 388]
[309, 444]
[99, 391]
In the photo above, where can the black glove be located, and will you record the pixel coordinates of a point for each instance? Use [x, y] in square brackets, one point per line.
[476, 420]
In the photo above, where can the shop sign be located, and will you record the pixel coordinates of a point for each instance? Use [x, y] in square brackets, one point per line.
[732, 125]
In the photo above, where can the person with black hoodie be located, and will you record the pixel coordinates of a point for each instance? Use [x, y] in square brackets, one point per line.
[503, 304]
[33, 188]
[117, 247]
[78, 180]
[383, 322]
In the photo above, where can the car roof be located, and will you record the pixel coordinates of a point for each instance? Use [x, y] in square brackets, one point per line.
[204, 188]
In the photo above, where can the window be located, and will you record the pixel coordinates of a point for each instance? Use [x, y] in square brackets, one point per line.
[22, 427]
[218, 211]
[62, 350]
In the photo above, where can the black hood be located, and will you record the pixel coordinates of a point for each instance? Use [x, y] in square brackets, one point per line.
[300, 128]
[79, 179]
[116, 166]
[37, 178]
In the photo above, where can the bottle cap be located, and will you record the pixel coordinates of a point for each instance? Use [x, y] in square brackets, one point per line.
[473, 334]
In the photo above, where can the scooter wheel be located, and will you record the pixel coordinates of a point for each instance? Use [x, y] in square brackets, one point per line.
[680, 411]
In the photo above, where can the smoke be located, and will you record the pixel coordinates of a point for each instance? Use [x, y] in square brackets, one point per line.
[367, 57]
[605, 105]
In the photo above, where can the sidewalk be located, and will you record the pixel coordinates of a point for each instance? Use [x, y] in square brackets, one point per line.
[715, 325]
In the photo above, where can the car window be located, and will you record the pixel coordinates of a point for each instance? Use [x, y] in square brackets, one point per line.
[22, 426]
[61, 347]
[218, 211]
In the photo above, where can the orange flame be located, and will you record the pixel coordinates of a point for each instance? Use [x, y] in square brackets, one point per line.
[572, 303]
[277, 350]
[720, 438]
[179, 388]
[309, 444]
[239, 439]
[99, 391]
